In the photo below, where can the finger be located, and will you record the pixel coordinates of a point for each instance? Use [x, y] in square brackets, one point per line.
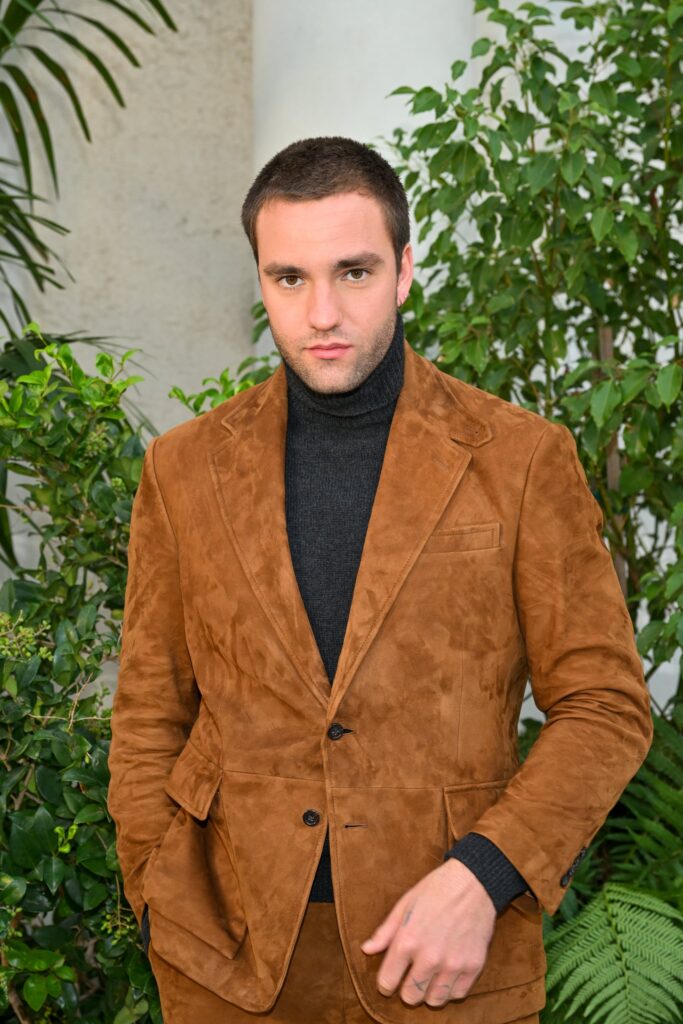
[383, 934]
[392, 970]
[417, 983]
[441, 988]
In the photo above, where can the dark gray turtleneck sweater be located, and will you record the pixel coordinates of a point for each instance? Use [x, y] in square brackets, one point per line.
[334, 451]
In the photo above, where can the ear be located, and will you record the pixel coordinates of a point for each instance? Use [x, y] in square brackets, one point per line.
[405, 277]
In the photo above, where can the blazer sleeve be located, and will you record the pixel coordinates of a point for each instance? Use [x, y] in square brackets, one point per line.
[156, 698]
[586, 676]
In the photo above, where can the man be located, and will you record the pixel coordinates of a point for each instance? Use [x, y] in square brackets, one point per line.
[339, 583]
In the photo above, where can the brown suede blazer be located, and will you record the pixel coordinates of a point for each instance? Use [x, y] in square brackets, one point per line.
[483, 565]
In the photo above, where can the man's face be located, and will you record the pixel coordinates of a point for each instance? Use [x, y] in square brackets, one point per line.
[328, 277]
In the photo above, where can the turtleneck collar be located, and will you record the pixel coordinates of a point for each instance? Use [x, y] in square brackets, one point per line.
[379, 390]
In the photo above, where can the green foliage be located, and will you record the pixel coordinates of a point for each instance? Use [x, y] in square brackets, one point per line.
[645, 842]
[225, 385]
[69, 944]
[619, 960]
[550, 197]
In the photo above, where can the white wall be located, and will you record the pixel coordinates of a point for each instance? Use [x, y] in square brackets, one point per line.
[155, 245]
[328, 69]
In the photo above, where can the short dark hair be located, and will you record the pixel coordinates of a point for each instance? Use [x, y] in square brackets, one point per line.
[325, 166]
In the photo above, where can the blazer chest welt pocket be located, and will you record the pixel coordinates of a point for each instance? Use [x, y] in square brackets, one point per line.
[466, 537]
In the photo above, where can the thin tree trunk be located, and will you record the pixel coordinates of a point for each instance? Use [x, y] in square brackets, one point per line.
[613, 462]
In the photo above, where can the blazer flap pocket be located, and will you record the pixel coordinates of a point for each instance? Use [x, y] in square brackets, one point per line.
[468, 537]
[466, 803]
[193, 781]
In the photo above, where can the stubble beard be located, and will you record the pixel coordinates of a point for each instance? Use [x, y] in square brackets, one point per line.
[365, 363]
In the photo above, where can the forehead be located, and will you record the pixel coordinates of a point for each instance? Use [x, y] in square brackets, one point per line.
[319, 229]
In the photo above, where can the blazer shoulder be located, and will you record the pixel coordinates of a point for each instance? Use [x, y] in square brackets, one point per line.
[509, 422]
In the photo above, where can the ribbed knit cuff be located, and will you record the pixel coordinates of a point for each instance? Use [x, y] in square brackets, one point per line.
[500, 878]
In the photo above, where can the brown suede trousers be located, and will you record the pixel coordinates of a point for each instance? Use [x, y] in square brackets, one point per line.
[318, 988]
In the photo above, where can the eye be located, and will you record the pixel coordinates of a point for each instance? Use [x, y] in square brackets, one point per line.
[289, 281]
[358, 270]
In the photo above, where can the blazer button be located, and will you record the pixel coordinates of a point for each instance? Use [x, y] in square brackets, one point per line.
[336, 730]
[311, 817]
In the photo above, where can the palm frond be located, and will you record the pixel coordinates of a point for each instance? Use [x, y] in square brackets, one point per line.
[94, 59]
[61, 76]
[19, 91]
[32, 99]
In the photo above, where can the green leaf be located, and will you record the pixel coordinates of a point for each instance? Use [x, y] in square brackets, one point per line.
[476, 353]
[14, 119]
[53, 873]
[65, 972]
[125, 1016]
[648, 636]
[48, 784]
[668, 383]
[520, 125]
[466, 162]
[31, 836]
[495, 143]
[674, 585]
[481, 47]
[604, 95]
[34, 991]
[89, 814]
[458, 68]
[540, 171]
[604, 400]
[92, 59]
[674, 12]
[573, 165]
[426, 99]
[635, 479]
[32, 99]
[104, 364]
[41, 959]
[628, 65]
[626, 240]
[95, 895]
[567, 101]
[602, 223]
[633, 383]
[11, 889]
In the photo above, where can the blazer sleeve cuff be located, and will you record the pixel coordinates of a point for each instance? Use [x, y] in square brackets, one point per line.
[497, 874]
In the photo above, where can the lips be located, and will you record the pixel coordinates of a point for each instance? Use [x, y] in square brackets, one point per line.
[329, 351]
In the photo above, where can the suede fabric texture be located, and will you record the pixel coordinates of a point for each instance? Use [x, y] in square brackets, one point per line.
[317, 989]
[483, 564]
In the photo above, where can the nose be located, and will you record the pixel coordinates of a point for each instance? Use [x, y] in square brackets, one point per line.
[324, 313]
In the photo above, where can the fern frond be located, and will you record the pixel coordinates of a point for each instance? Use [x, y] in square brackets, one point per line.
[618, 961]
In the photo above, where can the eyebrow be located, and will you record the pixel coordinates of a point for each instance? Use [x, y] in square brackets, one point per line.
[363, 259]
